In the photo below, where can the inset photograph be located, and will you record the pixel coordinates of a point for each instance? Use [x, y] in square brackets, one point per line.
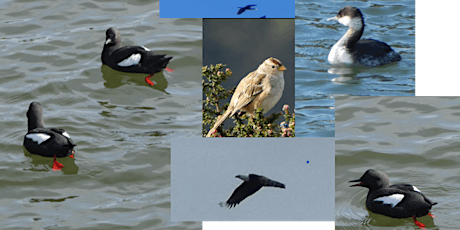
[350, 48]
[397, 162]
[227, 9]
[248, 78]
[252, 179]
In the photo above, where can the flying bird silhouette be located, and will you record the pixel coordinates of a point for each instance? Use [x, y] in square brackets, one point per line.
[248, 7]
[252, 183]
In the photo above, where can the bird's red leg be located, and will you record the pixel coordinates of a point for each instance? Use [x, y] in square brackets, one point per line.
[56, 165]
[432, 216]
[147, 79]
[420, 225]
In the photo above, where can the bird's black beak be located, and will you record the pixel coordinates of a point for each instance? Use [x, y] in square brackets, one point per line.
[357, 180]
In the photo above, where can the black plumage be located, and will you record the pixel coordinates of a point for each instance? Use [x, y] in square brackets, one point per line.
[397, 201]
[242, 9]
[252, 183]
[48, 142]
[142, 59]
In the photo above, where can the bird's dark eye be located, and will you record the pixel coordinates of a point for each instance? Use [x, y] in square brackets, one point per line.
[273, 66]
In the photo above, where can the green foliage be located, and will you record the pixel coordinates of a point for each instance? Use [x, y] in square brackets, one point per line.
[245, 125]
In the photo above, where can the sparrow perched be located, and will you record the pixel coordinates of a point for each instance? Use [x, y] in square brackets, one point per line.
[261, 88]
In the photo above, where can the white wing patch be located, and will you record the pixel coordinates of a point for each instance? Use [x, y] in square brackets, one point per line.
[416, 189]
[393, 199]
[65, 134]
[145, 48]
[38, 137]
[134, 59]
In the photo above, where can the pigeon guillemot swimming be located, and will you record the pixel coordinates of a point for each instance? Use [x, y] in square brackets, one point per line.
[397, 201]
[131, 59]
[48, 142]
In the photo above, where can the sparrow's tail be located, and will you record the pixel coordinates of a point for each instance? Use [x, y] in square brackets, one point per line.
[220, 121]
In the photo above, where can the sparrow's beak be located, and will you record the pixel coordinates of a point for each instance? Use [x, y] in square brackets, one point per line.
[333, 18]
[282, 68]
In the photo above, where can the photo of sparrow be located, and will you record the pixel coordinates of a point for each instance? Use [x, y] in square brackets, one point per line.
[261, 88]
[238, 77]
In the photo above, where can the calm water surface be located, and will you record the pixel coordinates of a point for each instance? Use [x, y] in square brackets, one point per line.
[120, 177]
[317, 82]
[413, 140]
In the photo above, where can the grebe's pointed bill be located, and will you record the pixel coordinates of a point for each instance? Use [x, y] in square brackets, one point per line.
[335, 18]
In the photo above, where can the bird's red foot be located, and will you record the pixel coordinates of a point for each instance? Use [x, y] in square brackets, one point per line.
[56, 165]
[420, 225]
[168, 69]
[432, 216]
[147, 79]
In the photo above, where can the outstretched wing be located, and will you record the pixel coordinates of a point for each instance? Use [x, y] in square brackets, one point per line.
[270, 183]
[244, 190]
